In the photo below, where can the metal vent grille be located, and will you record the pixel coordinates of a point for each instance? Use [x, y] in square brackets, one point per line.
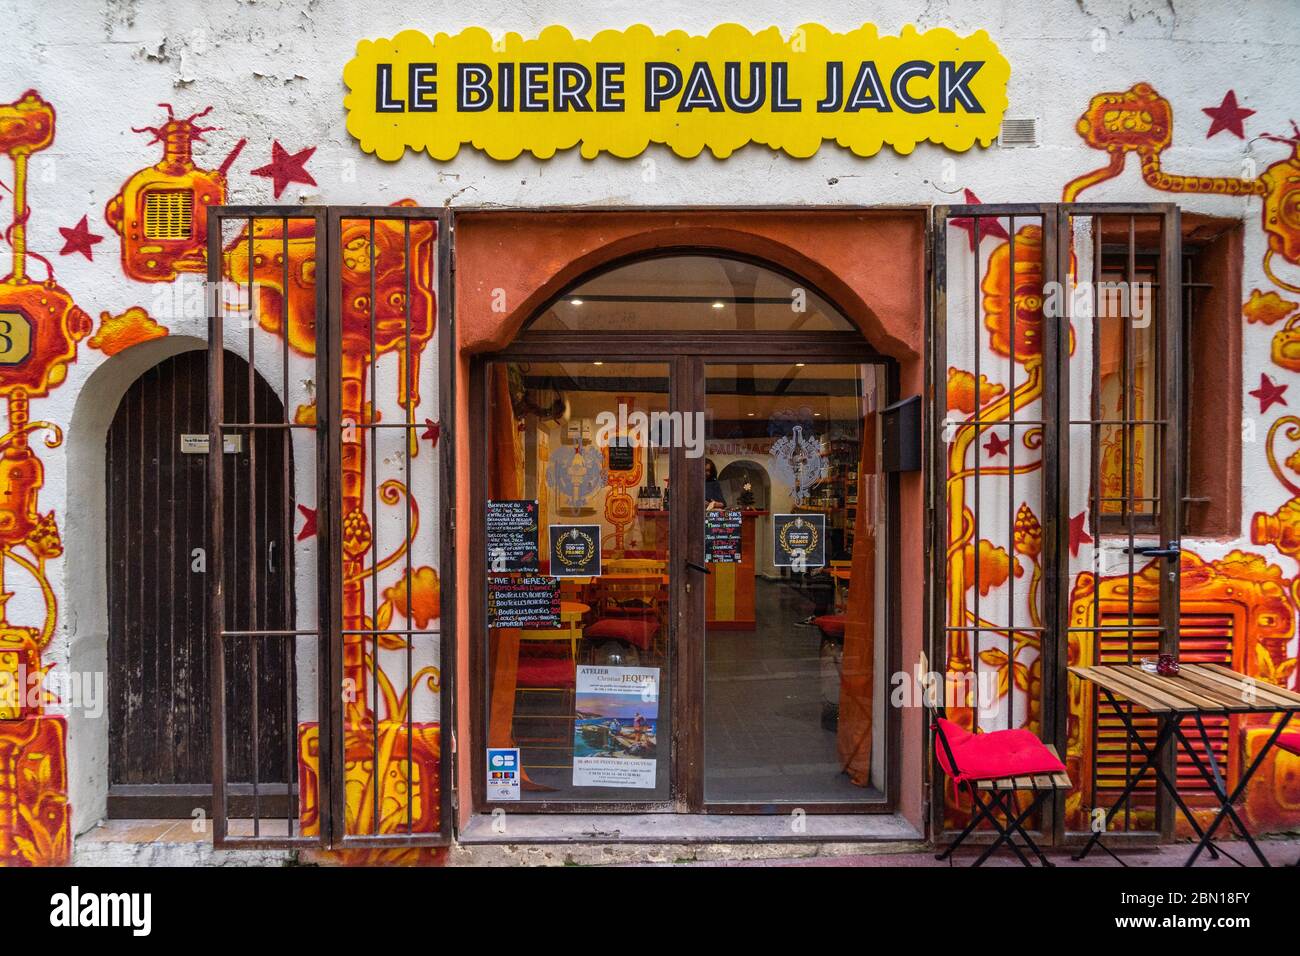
[169, 214]
[1018, 132]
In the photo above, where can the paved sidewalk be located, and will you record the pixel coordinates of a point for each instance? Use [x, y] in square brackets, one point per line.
[1279, 852]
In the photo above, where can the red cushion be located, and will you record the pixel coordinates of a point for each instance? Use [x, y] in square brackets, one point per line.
[1290, 742]
[635, 631]
[544, 672]
[832, 625]
[1001, 753]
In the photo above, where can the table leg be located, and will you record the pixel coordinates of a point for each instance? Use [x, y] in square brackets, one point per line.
[1162, 737]
[1226, 808]
[1169, 725]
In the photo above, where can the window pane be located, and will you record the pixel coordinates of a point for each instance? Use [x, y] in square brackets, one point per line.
[582, 687]
[691, 293]
[795, 635]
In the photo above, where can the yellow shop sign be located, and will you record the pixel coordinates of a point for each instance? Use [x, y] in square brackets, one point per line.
[624, 89]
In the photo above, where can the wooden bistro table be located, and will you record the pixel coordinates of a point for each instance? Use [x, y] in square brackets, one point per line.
[1197, 690]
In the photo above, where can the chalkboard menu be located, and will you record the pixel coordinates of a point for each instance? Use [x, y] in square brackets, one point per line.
[526, 601]
[799, 541]
[622, 455]
[512, 536]
[722, 536]
[575, 550]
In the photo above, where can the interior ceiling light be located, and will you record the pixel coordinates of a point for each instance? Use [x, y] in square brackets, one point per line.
[719, 305]
[575, 302]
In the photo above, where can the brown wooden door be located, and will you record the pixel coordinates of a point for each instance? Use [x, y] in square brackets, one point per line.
[160, 736]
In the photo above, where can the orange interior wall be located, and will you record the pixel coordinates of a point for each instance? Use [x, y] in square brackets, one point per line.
[869, 263]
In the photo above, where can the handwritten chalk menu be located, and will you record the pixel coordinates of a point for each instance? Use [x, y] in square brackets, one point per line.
[525, 601]
[799, 541]
[575, 550]
[722, 536]
[622, 455]
[512, 536]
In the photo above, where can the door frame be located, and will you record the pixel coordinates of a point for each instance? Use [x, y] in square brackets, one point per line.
[685, 353]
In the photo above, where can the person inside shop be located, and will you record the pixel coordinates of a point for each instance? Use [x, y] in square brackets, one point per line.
[714, 499]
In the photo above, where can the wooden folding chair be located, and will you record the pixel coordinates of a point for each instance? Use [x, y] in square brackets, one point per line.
[994, 767]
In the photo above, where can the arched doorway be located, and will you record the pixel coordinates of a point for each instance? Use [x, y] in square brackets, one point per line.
[604, 416]
[159, 683]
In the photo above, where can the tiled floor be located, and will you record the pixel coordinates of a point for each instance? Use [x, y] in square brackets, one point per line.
[764, 741]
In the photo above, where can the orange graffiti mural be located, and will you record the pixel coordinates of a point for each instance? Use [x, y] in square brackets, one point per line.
[1000, 288]
[119, 332]
[1141, 121]
[1235, 611]
[40, 327]
[620, 505]
[1244, 589]
[161, 212]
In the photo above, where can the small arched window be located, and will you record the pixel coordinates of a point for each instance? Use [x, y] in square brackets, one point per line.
[690, 293]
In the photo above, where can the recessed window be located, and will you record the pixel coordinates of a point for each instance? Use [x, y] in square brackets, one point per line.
[691, 293]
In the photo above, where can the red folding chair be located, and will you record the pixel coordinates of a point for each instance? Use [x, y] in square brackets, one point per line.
[994, 767]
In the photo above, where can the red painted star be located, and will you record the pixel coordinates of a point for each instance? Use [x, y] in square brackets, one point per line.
[988, 226]
[1078, 533]
[996, 445]
[308, 523]
[1269, 393]
[79, 239]
[431, 431]
[1227, 115]
[285, 168]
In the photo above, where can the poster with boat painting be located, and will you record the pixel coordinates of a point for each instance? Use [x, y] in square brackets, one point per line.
[615, 737]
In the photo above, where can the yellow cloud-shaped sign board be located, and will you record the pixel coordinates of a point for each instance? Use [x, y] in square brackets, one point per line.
[624, 89]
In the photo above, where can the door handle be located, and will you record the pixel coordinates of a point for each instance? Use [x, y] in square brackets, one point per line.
[1171, 553]
[270, 557]
[698, 567]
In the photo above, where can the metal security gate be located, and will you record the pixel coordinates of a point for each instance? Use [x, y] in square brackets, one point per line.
[1055, 364]
[345, 312]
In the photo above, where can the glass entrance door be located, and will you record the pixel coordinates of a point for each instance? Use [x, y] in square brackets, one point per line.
[724, 648]
[794, 622]
[579, 580]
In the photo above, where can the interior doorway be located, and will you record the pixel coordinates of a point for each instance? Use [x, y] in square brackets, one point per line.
[159, 683]
[709, 421]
